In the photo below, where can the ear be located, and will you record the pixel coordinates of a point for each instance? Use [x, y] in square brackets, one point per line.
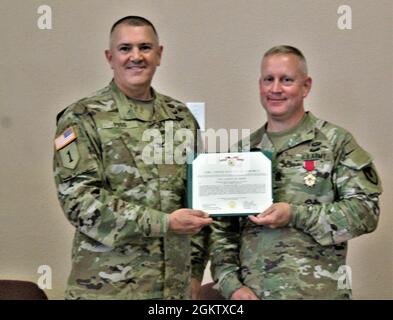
[108, 55]
[307, 86]
[160, 50]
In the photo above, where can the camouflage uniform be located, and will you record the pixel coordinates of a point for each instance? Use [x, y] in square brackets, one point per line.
[118, 203]
[200, 252]
[306, 259]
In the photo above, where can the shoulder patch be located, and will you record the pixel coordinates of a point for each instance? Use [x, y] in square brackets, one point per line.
[70, 156]
[60, 114]
[371, 175]
[65, 138]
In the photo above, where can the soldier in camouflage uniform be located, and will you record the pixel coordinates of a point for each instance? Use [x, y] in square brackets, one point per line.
[119, 183]
[325, 191]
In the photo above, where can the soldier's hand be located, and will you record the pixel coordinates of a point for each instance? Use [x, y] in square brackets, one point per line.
[188, 221]
[195, 288]
[277, 215]
[244, 293]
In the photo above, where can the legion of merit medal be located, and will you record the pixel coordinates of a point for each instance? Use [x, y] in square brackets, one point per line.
[310, 179]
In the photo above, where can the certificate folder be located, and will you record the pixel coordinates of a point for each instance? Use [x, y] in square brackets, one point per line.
[230, 184]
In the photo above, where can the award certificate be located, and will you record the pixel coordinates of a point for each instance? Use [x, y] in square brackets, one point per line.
[230, 184]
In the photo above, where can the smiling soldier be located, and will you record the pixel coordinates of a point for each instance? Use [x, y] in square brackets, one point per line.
[132, 234]
[325, 191]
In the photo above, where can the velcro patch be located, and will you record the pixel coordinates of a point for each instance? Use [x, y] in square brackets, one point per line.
[65, 138]
[371, 175]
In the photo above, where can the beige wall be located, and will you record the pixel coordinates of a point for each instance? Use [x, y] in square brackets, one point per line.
[212, 53]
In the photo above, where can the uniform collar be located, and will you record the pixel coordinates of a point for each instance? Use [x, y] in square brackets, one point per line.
[305, 132]
[129, 111]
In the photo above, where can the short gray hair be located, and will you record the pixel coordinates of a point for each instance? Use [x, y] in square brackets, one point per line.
[284, 49]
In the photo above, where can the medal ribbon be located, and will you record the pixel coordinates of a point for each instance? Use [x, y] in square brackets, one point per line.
[309, 165]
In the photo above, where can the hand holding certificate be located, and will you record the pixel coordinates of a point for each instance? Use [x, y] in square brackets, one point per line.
[224, 184]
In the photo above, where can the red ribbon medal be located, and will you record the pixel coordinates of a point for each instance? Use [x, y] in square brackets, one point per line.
[309, 165]
[309, 179]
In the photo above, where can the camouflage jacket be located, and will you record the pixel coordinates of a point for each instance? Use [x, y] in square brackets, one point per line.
[306, 259]
[118, 202]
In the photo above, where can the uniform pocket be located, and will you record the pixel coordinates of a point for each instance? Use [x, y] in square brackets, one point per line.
[300, 180]
[120, 168]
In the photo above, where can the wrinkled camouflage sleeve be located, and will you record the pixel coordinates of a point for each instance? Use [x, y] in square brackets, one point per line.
[86, 198]
[225, 264]
[356, 209]
[200, 242]
[200, 245]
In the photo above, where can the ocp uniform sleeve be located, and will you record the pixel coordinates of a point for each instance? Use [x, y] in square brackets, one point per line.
[200, 242]
[355, 210]
[200, 252]
[85, 196]
[225, 263]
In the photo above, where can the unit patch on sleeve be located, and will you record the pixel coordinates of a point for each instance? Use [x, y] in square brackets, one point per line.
[69, 156]
[371, 175]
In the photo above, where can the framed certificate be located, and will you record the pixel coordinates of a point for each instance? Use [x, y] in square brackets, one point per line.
[230, 184]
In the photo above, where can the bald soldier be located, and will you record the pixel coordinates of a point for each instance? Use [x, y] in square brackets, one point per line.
[120, 183]
[325, 191]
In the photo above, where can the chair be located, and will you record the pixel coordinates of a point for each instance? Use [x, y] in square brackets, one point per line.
[208, 292]
[20, 290]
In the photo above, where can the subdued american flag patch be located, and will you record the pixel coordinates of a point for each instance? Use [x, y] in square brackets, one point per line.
[65, 138]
